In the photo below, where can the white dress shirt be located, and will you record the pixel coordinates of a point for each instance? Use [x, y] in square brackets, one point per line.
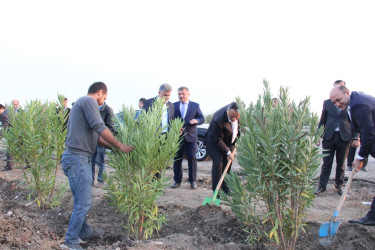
[164, 121]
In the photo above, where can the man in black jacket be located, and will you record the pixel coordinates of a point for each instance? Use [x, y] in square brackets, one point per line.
[362, 111]
[165, 91]
[336, 139]
[98, 157]
[221, 138]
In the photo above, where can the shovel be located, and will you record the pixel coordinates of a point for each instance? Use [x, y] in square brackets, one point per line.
[327, 231]
[213, 200]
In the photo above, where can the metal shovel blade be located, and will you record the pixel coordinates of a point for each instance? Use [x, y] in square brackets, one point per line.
[211, 201]
[327, 232]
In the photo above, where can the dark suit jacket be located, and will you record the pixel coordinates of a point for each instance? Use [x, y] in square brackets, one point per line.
[170, 107]
[219, 134]
[67, 113]
[193, 112]
[4, 118]
[330, 118]
[106, 113]
[362, 110]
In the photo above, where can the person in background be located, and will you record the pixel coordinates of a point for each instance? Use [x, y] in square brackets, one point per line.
[85, 129]
[17, 109]
[140, 103]
[16, 105]
[275, 101]
[98, 157]
[4, 118]
[221, 137]
[165, 91]
[336, 139]
[192, 116]
[67, 112]
[362, 114]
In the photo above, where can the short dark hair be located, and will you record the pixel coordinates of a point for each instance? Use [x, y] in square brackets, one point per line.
[2, 106]
[232, 105]
[339, 81]
[96, 87]
[142, 100]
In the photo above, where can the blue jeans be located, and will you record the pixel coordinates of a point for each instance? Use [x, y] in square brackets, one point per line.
[78, 170]
[98, 158]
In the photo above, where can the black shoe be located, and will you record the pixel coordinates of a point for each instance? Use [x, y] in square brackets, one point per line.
[339, 191]
[320, 190]
[193, 185]
[364, 221]
[95, 234]
[74, 246]
[176, 185]
[6, 168]
[364, 169]
[350, 168]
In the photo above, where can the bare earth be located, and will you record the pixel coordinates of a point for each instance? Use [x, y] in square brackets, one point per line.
[190, 226]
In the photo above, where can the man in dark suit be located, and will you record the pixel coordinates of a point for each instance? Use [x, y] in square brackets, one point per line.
[192, 116]
[67, 112]
[98, 158]
[164, 92]
[362, 111]
[221, 138]
[336, 139]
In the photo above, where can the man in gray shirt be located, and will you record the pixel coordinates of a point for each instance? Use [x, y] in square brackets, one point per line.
[85, 129]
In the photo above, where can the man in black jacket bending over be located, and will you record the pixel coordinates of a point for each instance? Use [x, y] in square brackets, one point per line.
[221, 138]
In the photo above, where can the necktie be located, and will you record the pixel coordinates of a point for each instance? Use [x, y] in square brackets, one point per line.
[183, 110]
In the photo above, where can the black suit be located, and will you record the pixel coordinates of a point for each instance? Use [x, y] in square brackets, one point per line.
[170, 107]
[66, 116]
[334, 142]
[170, 110]
[219, 142]
[189, 142]
[362, 110]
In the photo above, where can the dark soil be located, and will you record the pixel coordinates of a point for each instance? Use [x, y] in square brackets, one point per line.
[24, 226]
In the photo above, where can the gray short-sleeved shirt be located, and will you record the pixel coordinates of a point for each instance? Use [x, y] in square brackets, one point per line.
[84, 127]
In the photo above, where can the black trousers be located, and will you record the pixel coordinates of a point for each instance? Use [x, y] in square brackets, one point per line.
[191, 149]
[334, 146]
[219, 162]
[371, 213]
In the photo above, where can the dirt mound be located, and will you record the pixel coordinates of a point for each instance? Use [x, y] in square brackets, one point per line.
[190, 226]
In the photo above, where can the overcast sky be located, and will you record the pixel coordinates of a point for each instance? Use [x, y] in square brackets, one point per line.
[219, 49]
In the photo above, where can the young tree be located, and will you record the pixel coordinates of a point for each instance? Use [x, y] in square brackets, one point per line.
[36, 138]
[279, 160]
[134, 187]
